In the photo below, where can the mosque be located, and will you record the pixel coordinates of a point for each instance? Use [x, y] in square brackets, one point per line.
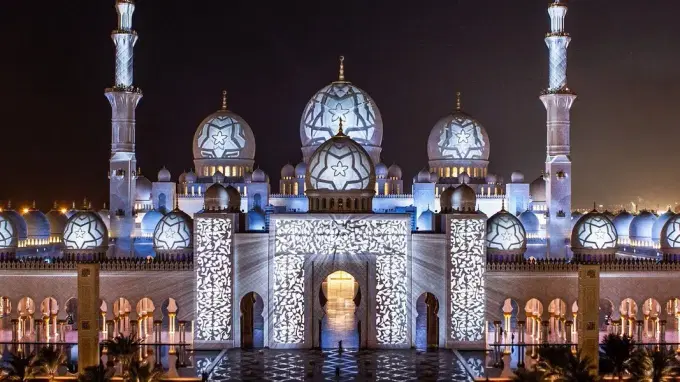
[343, 250]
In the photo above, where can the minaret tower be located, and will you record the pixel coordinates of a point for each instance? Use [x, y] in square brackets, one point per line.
[558, 99]
[123, 97]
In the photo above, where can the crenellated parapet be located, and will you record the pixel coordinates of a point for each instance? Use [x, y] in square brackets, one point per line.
[561, 265]
[111, 265]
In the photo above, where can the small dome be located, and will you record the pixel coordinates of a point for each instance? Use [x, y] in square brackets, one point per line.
[191, 177]
[57, 222]
[288, 171]
[182, 177]
[218, 177]
[594, 231]
[8, 235]
[445, 199]
[464, 199]
[224, 135]
[215, 198]
[380, 171]
[340, 164]
[234, 204]
[537, 189]
[463, 178]
[259, 176]
[491, 179]
[622, 223]
[174, 232]
[164, 175]
[517, 177]
[301, 169]
[641, 226]
[505, 234]
[85, 230]
[434, 178]
[18, 222]
[530, 222]
[660, 223]
[143, 188]
[394, 172]
[670, 235]
[37, 224]
[423, 176]
[150, 221]
[248, 177]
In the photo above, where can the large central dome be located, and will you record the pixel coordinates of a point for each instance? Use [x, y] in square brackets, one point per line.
[341, 100]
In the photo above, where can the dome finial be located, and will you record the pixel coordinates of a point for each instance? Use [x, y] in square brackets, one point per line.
[54, 206]
[340, 132]
[224, 100]
[458, 101]
[594, 206]
[34, 204]
[502, 204]
[341, 76]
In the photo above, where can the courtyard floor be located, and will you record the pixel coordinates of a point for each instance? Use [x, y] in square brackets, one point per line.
[330, 365]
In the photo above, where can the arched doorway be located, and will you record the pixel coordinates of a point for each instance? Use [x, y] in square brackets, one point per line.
[427, 321]
[340, 295]
[252, 322]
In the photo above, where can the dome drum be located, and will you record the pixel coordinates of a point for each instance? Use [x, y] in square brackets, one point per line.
[476, 169]
[345, 201]
[235, 168]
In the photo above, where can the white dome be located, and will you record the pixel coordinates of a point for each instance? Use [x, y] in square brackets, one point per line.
[259, 176]
[517, 177]
[57, 222]
[491, 179]
[340, 164]
[287, 171]
[670, 234]
[537, 189]
[224, 135]
[594, 231]
[660, 223]
[174, 232]
[458, 136]
[143, 188]
[216, 198]
[190, 177]
[164, 175]
[85, 230]
[530, 222]
[641, 226]
[8, 234]
[301, 169]
[394, 171]
[380, 171]
[423, 176]
[464, 199]
[150, 221]
[505, 234]
[182, 177]
[361, 119]
[18, 222]
[622, 222]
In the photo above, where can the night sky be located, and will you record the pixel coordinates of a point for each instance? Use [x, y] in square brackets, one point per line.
[624, 63]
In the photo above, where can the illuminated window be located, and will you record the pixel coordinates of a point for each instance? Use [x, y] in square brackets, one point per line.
[386, 191]
[220, 169]
[212, 170]
[227, 171]
[448, 172]
[240, 171]
[461, 170]
[295, 188]
[441, 172]
[454, 172]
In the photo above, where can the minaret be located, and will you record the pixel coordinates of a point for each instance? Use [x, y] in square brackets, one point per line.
[123, 97]
[558, 99]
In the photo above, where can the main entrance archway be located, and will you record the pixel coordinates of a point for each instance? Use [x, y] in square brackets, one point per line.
[340, 295]
[252, 322]
[427, 321]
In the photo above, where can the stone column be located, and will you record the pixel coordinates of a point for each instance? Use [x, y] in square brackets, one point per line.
[520, 332]
[110, 329]
[182, 334]
[567, 331]
[38, 331]
[157, 331]
[62, 330]
[15, 330]
[662, 331]
[88, 314]
[497, 332]
[588, 313]
[639, 325]
[134, 326]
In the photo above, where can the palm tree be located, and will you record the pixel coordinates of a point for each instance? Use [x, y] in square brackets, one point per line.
[616, 352]
[123, 349]
[48, 361]
[654, 365]
[558, 363]
[97, 373]
[17, 368]
[524, 375]
[144, 372]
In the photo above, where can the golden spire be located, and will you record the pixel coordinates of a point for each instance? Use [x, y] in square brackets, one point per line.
[341, 76]
[54, 206]
[458, 101]
[340, 132]
[224, 100]
[34, 204]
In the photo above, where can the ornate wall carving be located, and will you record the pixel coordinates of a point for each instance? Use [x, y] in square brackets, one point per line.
[386, 239]
[467, 294]
[214, 289]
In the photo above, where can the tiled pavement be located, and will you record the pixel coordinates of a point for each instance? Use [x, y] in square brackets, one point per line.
[329, 365]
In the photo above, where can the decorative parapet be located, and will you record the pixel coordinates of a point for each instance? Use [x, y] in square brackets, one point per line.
[111, 265]
[633, 265]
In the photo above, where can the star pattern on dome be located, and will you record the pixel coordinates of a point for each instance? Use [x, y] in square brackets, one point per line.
[672, 234]
[462, 136]
[218, 138]
[7, 234]
[173, 232]
[596, 232]
[361, 119]
[339, 169]
[505, 232]
[458, 137]
[85, 231]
